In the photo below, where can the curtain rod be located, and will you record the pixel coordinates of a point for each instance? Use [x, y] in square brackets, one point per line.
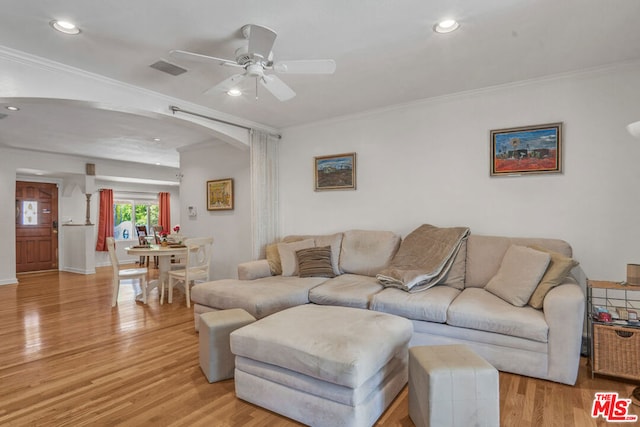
[175, 109]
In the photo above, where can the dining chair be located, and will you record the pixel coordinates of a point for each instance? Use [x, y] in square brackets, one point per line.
[157, 229]
[198, 260]
[124, 274]
[142, 240]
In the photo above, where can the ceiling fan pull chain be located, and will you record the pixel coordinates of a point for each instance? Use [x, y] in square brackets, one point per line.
[256, 89]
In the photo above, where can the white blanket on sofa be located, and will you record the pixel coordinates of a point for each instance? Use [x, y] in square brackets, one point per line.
[424, 258]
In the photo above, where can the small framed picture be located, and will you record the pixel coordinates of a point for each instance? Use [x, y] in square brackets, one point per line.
[527, 150]
[335, 172]
[220, 194]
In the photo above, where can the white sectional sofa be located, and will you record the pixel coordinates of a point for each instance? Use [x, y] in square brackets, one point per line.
[540, 342]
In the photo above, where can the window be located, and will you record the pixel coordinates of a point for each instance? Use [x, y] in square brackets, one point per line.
[29, 212]
[127, 214]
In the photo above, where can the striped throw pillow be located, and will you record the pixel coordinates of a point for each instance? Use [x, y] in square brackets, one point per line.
[315, 262]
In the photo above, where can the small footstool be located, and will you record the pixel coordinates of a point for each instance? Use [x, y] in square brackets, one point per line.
[450, 385]
[216, 359]
[323, 365]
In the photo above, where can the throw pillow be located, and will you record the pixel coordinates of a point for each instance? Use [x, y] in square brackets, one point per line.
[315, 262]
[288, 258]
[333, 240]
[273, 258]
[520, 272]
[559, 268]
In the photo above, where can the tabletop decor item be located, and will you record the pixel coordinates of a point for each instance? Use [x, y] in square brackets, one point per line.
[163, 236]
[526, 150]
[220, 194]
[335, 172]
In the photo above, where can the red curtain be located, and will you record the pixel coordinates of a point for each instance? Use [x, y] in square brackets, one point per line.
[105, 219]
[164, 216]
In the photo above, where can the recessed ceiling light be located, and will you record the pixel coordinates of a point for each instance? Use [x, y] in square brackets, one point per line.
[157, 164]
[156, 139]
[446, 26]
[12, 108]
[234, 92]
[65, 27]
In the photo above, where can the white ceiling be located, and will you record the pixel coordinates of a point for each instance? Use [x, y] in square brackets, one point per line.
[386, 53]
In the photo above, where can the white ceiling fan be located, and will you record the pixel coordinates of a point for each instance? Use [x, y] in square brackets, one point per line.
[256, 58]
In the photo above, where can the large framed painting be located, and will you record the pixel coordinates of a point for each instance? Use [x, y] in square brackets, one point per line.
[220, 194]
[527, 150]
[335, 172]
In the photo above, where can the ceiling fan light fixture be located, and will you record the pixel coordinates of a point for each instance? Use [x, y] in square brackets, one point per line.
[234, 92]
[634, 129]
[65, 27]
[446, 26]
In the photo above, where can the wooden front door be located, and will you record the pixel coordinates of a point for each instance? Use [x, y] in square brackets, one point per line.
[36, 226]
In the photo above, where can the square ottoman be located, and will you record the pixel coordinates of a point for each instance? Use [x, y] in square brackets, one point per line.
[450, 385]
[216, 359]
[323, 365]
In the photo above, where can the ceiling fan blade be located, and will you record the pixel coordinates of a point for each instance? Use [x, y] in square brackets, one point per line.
[261, 40]
[227, 84]
[190, 56]
[312, 66]
[277, 87]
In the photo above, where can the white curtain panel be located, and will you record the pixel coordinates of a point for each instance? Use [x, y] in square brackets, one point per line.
[264, 192]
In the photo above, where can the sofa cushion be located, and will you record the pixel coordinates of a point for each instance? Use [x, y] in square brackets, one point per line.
[479, 309]
[333, 240]
[559, 268]
[349, 290]
[367, 252]
[288, 257]
[252, 270]
[273, 258]
[315, 262]
[519, 274]
[430, 305]
[485, 253]
[260, 297]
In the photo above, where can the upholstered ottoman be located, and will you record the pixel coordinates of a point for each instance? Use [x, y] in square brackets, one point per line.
[323, 365]
[450, 385]
[216, 359]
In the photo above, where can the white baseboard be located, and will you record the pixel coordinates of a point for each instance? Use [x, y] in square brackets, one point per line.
[78, 271]
[13, 281]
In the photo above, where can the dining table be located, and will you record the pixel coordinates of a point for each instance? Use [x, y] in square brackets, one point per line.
[164, 254]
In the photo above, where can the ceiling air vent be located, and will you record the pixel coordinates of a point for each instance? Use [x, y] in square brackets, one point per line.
[168, 68]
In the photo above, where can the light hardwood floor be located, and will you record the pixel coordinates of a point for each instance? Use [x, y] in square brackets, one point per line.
[68, 359]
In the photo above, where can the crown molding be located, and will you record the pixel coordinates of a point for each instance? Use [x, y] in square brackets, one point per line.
[581, 73]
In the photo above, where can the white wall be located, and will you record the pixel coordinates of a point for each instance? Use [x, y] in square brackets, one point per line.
[231, 230]
[429, 163]
[7, 221]
[72, 201]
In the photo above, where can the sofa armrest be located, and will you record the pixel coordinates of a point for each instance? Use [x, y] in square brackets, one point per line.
[564, 308]
[254, 270]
